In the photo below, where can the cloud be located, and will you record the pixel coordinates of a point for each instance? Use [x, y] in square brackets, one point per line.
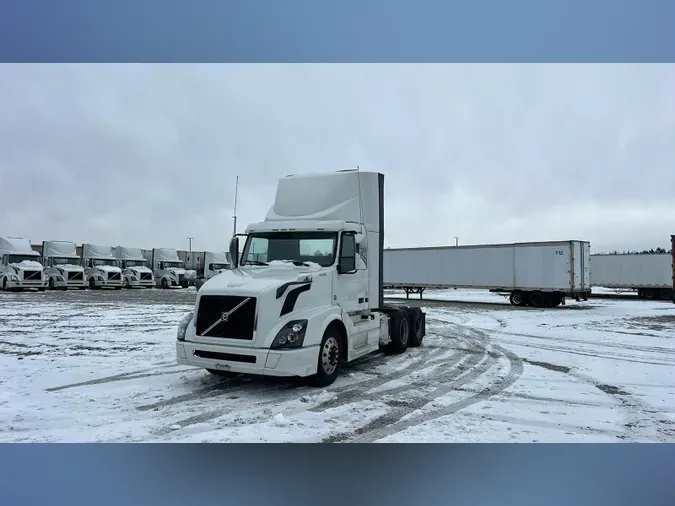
[147, 155]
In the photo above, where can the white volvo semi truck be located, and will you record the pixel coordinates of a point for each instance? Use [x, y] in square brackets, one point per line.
[63, 266]
[20, 266]
[101, 267]
[167, 267]
[306, 294]
[134, 267]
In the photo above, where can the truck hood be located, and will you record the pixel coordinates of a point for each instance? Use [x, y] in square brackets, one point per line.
[257, 279]
[139, 269]
[26, 264]
[176, 271]
[70, 267]
[108, 268]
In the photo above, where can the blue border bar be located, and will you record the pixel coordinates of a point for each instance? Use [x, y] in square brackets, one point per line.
[345, 31]
[497, 474]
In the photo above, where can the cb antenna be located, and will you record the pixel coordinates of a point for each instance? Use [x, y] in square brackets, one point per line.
[234, 216]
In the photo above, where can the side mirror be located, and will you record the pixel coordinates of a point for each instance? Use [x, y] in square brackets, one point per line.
[234, 252]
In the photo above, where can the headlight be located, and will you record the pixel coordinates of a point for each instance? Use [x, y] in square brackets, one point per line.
[100, 278]
[15, 277]
[183, 325]
[134, 278]
[59, 278]
[292, 335]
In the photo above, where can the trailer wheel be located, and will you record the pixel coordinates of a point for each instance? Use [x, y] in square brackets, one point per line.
[399, 332]
[556, 299]
[329, 359]
[537, 299]
[517, 298]
[416, 321]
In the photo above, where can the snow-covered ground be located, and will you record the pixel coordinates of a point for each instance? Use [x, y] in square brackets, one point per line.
[99, 366]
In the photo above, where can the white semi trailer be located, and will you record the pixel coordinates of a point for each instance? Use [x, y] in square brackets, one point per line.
[651, 275]
[20, 266]
[63, 266]
[167, 267]
[101, 268]
[538, 274]
[306, 294]
[134, 265]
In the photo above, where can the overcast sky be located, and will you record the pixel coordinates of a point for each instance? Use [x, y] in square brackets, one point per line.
[147, 155]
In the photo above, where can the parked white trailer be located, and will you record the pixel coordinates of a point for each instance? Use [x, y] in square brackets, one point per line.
[20, 266]
[539, 274]
[167, 267]
[135, 267]
[306, 294]
[63, 266]
[101, 268]
[651, 275]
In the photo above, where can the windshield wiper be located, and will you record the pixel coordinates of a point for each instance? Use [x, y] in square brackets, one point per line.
[255, 262]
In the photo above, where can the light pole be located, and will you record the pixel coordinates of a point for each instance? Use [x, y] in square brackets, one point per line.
[190, 239]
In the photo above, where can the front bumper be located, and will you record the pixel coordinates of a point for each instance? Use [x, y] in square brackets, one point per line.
[115, 283]
[26, 284]
[259, 361]
[79, 283]
[147, 283]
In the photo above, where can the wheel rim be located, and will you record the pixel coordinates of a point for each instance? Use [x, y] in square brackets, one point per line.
[517, 299]
[404, 331]
[537, 300]
[330, 354]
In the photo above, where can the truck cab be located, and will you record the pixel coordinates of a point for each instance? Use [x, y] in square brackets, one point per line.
[209, 264]
[135, 267]
[20, 266]
[101, 268]
[168, 268]
[305, 295]
[62, 265]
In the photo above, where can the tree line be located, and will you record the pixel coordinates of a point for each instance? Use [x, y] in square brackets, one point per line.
[652, 251]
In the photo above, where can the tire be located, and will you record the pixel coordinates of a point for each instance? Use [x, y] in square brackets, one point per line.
[223, 374]
[126, 283]
[556, 299]
[92, 283]
[416, 321]
[329, 359]
[41, 289]
[51, 283]
[4, 284]
[517, 299]
[399, 330]
[165, 283]
[537, 299]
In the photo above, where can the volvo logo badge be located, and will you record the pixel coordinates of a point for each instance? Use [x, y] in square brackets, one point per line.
[225, 316]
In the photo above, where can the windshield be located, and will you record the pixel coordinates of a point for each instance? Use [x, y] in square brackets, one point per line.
[17, 259]
[218, 267]
[135, 263]
[64, 261]
[296, 247]
[169, 265]
[104, 261]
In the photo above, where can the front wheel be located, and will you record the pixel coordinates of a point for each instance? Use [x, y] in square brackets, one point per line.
[165, 283]
[330, 358]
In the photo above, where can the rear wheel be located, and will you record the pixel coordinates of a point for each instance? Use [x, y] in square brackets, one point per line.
[416, 321]
[330, 358]
[399, 330]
